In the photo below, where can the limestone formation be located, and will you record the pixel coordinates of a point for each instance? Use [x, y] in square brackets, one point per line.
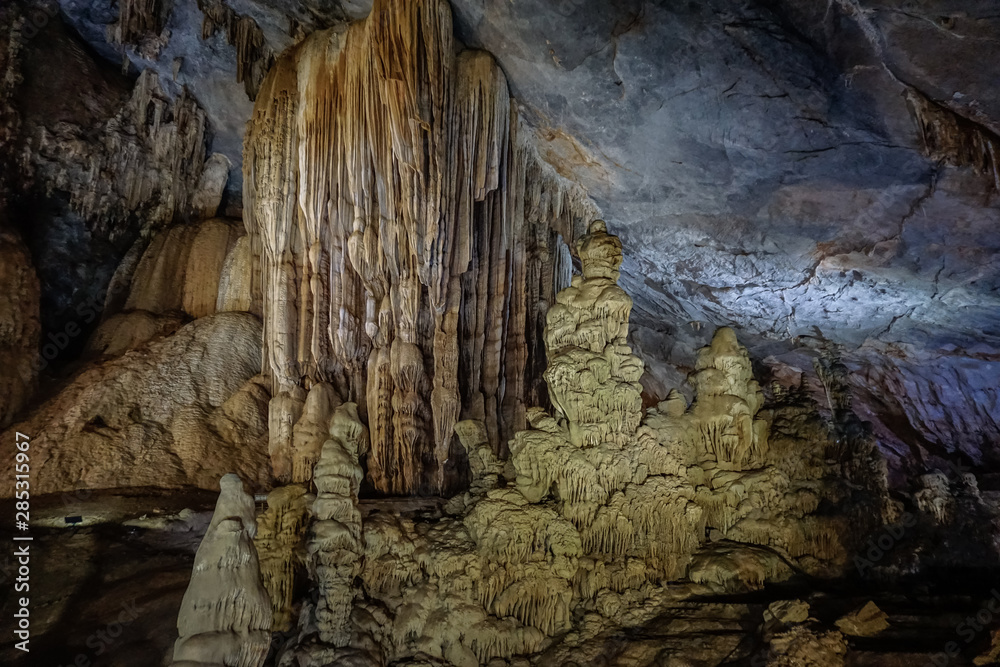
[935, 497]
[141, 23]
[867, 621]
[607, 505]
[803, 647]
[728, 400]
[253, 56]
[150, 157]
[188, 269]
[225, 616]
[484, 467]
[949, 137]
[335, 546]
[310, 432]
[280, 547]
[178, 412]
[405, 235]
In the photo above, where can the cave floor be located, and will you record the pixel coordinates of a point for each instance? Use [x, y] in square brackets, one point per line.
[106, 587]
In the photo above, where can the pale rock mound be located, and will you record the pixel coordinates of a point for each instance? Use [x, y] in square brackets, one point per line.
[867, 621]
[225, 616]
[183, 267]
[178, 412]
[186, 271]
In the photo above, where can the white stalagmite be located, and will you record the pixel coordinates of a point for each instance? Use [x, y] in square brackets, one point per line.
[225, 616]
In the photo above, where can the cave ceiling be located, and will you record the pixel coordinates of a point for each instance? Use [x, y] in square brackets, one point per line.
[799, 170]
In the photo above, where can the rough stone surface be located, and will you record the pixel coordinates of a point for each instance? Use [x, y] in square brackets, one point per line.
[20, 360]
[178, 412]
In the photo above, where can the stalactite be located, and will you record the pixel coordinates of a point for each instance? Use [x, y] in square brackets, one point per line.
[253, 56]
[312, 430]
[953, 139]
[148, 159]
[391, 201]
[141, 23]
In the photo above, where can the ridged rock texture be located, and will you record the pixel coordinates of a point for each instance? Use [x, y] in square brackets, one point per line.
[225, 616]
[335, 545]
[186, 271]
[172, 413]
[408, 239]
[97, 160]
[280, 548]
[328, 629]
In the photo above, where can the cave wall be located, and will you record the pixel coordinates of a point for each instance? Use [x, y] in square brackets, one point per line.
[804, 172]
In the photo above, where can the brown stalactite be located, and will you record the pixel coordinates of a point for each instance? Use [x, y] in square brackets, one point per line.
[391, 201]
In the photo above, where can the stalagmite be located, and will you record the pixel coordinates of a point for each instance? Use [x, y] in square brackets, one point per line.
[728, 399]
[225, 616]
[280, 547]
[935, 497]
[335, 547]
[393, 207]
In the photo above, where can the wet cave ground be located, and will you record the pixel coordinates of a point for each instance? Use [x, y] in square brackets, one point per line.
[109, 570]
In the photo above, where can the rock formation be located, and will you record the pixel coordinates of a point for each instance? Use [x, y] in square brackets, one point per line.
[329, 629]
[406, 236]
[194, 269]
[281, 549]
[335, 545]
[186, 271]
[607, 506]
[176, 412]
[225, 616]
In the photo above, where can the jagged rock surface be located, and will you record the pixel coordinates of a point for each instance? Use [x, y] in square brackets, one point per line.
[609, 505]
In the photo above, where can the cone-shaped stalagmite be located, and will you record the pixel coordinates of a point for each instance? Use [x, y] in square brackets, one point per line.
[225, 616]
